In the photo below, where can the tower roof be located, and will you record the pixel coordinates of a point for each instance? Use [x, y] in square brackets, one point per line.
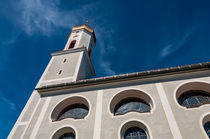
[87, 28]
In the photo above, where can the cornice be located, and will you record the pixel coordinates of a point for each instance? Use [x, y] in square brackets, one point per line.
[130, 76]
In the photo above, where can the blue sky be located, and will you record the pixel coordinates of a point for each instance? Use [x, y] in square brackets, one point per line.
[131, 36]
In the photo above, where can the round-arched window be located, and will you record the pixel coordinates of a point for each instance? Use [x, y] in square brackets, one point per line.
[72, 44]
[76, 111]
[67, 136]
[207, 128]
[131, 101]
[194, 98]
[74, 107]
[134, 130]
[135, 133]
[64, 133]
[131, 105]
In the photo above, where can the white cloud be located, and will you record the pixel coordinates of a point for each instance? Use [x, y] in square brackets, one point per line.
[44, 15]
[106, 66]
[105, 49]
[9, 42]
[7, 102]
[6, 48]
[172, 47]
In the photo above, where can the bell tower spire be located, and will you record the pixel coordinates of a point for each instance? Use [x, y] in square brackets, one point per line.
[73, 62]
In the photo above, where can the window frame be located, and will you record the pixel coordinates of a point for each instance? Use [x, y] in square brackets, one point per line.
[72, 44]
[196, 94]
[128, 100]
[134, 123]
[128, 93]
[71, 107]
[134, 128]
[65, 103]
[207, 131]
[61, 137]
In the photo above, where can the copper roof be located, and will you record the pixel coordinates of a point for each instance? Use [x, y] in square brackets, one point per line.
[87, 28]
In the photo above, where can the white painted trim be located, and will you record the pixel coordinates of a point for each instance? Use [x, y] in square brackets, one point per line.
[98, 115]
[201, 124]
[71, 38]
[68, 97]
[21, 115]
[182, 84]
[45, 72]
[68, 43]
[47, 81]
[23, 123]
[40, 118]
[76, 132]
[76, 72]
[153, 105]
[168, 112]
[148, 129]
[79, 39]
[32, 115]
[27, 105]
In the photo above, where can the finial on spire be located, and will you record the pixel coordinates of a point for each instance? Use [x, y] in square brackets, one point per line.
[87, 22]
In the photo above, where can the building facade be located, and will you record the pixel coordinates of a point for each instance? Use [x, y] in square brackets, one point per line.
[68, 103]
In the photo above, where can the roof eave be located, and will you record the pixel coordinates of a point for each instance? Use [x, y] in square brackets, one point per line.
[131, 76]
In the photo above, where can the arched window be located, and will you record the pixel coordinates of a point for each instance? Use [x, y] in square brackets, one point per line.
[131, 101]
[72, 44]
[194, 98]
[131, 104]
[207, 128]
[135, 133]
[67, 136]
[64, 133]
[134, 130]
[74, 107]
[76, 111]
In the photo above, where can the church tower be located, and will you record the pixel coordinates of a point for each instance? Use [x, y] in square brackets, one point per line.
[170, 103]
[73, 62]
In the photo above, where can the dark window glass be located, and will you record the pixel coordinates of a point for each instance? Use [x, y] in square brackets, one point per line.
[60, 71]
[76, 111]
[194, 98]
[207, 128]
[131, 104]
[135, 133]
[67, 136]
[72, 44]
